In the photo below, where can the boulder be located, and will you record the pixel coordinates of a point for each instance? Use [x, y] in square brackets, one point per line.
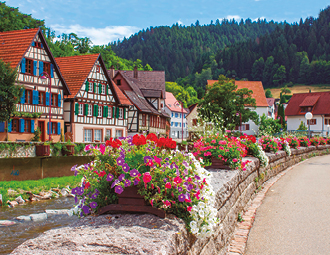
[12, 203]
[64, 192]
[59, 212]
[24, 218]
[20, 200]
[7, 222]
[38, 216]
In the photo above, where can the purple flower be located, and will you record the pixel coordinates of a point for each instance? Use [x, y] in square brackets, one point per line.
[167, 159]
[121, 177]
[185, 163]
[180, 189]
[120, 161]
[97, 191]
[94, 196]
[136, 181]
[182, 197]
[114, 183]
[147, 158]
[125, 168]
[134, 173]
[86, 209]
[190, 187]
[109, 177]
[127, 183]
[165, 179]
[119, 189]
[74, 191]
[75, 199]
[122, 153]
[74, 168]
[93, 205]
[80, 191]
[197, 177]
[173, 165]
[87, 166]
[185, 172]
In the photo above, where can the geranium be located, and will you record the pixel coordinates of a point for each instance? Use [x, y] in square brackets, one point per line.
[270, 143]
[304, 141]
[293, 141]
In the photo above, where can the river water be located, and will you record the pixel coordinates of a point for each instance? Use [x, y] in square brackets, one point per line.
[12, 236]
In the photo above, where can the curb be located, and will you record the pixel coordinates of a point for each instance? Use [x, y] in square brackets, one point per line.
[237, 245]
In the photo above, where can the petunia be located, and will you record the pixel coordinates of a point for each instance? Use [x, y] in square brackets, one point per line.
[182, 197]
[167, 203]
[74, 191]
[125, 168]
[76, 200]
[134, 173]
[177, 180]
[87, 185]
[189, 208]
[147, 159]
[121, 177]
[127, 183]
[119, 189]
[114, 183]
[93, 204]
[180, 189]
[80, 191]
[102, 149]
[86, 209]
[157, 160]
[120, 161]
[168, 185]
[147, 177]
[136, 181]
[109, 177]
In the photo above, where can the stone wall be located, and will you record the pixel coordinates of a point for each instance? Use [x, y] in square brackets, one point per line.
[233, 191]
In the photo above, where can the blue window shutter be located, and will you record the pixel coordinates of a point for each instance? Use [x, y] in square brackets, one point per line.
[48, 127]
[35, 67]
[37, 97]
[41, 67]
[32, 126]
[58, 128]
[41, 46]
[33, 97]
[51, 70]
[2, 127]
[21, 125]
[47, 98]
[59, 99]
[23, 97]
[9, 126]
[23, 65]
[33, 44]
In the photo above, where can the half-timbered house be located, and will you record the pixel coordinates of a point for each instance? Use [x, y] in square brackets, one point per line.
[96, 108]
[146, 91]
[28, 53]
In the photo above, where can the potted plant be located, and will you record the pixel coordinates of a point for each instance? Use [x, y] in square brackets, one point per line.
[43, 149]
[68, 148]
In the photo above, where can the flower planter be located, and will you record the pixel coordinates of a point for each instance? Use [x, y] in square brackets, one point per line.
[42, 150]
[218, 164]
[69, 151]
[129, 201]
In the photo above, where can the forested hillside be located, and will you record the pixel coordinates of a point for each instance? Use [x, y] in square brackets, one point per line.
[181, 50]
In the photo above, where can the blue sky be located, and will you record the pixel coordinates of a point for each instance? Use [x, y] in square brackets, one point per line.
[106, 21]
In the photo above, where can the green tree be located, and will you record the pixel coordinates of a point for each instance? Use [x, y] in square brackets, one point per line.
[279, 76]
[302, 126]
[9, 92]
[268, 93]
[257, 69]
[223, 102]
[268, 126]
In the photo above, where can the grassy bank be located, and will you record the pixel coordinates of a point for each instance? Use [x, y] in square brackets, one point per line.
[299, 88]
[36, 186]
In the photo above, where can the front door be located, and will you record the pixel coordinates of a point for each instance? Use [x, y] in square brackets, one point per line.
[41, 126]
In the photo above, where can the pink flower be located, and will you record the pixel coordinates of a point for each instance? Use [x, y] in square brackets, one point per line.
[177, 180]
[102, 148]
[235, 160]
[167, 203]
[152, 202]
[168, 185]
[187, 200]
[147, 177]
[157, 160]
[228, 131]
[189, 208]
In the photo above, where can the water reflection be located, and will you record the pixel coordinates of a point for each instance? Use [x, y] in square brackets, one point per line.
[12, 236]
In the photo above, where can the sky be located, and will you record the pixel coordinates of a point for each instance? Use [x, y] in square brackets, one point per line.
[107, 21]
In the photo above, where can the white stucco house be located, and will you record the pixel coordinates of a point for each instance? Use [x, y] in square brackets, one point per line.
[318, 103]
[271, 107]
[250, 128]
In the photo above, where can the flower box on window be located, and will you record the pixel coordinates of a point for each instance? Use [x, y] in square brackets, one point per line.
[218, 164]
[42, 150]
[68, 150]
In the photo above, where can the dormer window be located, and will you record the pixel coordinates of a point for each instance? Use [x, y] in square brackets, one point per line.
[118, 82]
[98, 68]
[306, 109]
[37, 45]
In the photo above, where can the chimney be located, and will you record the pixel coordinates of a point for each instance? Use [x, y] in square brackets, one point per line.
[135, 72]
[112, 72]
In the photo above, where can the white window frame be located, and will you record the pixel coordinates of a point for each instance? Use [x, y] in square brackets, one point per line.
[103, 89]
[100, 111]
[90, 110]
[98, 135]
[88, 133]
[121, 133]
[121, 113]
[108, 132]
[109, 112]
[81, 109]
[91, 87]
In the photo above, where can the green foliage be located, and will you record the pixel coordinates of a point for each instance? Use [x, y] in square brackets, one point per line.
[302, 126]
[187, 96]
[9, 92]
[268, 93]
[224, 101]
[239, 217]
[37, 135]
[27, 114]
[79, 148]
[56, 148]
[281, 115]
[268, 126]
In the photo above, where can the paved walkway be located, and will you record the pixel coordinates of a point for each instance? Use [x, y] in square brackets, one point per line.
[294, 217]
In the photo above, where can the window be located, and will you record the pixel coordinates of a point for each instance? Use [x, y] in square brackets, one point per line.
[47, 67]
[27, 126]
[108, 133]
[180, 124]
[38, 45]
[90, 110]
[54, 99]
[91, 87]
[88, 135]
[103, 89]
[144, 120]
[15, 125]
[119, 133]
[97, 135]
[172, 114]
[180, 115]
[41, 98]
[100, 111]
[326, 121]
[54, 128]
[28, 96]
[121, 113]
[118, 82]
[176, 115]
[194, 122]
[109, 112]
[171, 124]
[306, 109]
[97, 68]
[81, 109]
[29, 66]
[173, 133]
[312, 121]
[176, 124]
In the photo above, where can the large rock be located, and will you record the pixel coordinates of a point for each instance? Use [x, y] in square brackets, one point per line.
[7, 222]
[20, 200]
[23, 218]
[59, 212]
[115, 234]
[38, 216]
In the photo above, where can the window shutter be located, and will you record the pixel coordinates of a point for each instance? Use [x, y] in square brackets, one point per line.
[35, 67]
[96, 110]
[94, 89]
[37, 96]
[51, 70]
[41, 67]
[106, 89]
[2, 127]
[247, 127]
[86, 109]
[113, 111]
[32, 126]
[124, 110]
[47, 99]
[76, 109]
[58, 128]
[23, 97]
[33, 97]
[87, 86]
[105, 111]
[117, 112]
[41, 46]
[23, 65]
[59, 100]
[21, 125]
[33, 44]
[100, 88]
[10, 125]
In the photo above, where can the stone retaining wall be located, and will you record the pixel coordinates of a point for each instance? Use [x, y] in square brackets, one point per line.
[233, 191]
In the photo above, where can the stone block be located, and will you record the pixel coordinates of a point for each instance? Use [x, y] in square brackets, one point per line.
[38, 216]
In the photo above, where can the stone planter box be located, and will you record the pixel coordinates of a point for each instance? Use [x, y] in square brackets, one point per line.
[129, 201]
[218, 164]
[69, 151]
[42, 150]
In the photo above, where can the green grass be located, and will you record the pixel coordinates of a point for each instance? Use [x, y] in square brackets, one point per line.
[301, 88]
[36, 186]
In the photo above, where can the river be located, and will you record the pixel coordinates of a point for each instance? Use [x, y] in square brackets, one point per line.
[13, 235]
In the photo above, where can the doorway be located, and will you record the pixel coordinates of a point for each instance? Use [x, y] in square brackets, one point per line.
[41, 126]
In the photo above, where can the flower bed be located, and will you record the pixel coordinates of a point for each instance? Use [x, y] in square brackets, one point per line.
[304, 141]
[269, 143]
[173, 181]
[293, 142]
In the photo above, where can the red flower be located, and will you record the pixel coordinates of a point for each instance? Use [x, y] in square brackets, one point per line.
[168, 185]
[189, 208]
[87, 185]
[139, 140]
[152, 137]
[113, 143]
[147, 177]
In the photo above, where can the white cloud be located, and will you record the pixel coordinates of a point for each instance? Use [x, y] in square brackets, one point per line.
[261, 18]
[236, 17]
[180, 22]
[99, 36]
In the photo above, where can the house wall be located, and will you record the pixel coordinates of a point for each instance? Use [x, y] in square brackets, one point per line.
[293, 123]
[124, 85]
[176, 131]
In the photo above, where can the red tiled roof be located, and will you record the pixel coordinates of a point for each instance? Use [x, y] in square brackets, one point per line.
[172, 103]
[310, 101]
[321, 106]
[14, 45]
[75, 70]
[255, 86]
